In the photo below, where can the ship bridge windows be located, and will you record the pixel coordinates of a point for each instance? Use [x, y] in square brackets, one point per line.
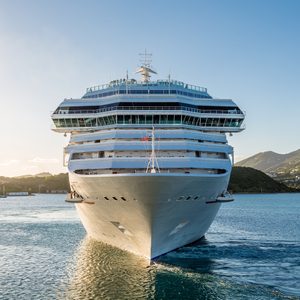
[147, 119]
[209, 109]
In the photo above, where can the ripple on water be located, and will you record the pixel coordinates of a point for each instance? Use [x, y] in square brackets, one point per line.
[44, 255]
[105, 272]
[251, 262]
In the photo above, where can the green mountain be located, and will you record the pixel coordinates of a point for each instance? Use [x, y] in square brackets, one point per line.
[249, 180]
[282, 167]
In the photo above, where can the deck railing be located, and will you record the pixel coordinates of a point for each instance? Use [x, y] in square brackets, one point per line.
[134, 83]
[149, 108]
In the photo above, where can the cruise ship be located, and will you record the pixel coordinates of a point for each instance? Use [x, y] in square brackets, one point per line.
[148, 160]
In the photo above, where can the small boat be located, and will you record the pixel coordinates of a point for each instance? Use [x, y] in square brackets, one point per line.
[74, 198]
[223, 198]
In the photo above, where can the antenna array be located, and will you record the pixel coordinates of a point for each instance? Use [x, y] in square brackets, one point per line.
[145, 58]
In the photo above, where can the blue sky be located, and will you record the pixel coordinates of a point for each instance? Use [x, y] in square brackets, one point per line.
[245, 50]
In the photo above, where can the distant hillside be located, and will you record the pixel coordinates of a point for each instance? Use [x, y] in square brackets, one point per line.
[44, 174]
[35, 184]
[282, 167]
[243, 180]
[248, 180]
[263, 161]
[273, 162]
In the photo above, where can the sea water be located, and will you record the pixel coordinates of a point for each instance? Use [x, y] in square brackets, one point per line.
[252, 251]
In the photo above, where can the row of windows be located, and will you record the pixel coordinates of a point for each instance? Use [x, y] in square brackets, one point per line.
[192, 171]
[167, 91]
[79, 110]
[140, 154]
[175, 139]
[148, 119]
[147, 106]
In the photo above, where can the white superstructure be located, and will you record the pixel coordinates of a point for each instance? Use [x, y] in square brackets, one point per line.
[148, 160]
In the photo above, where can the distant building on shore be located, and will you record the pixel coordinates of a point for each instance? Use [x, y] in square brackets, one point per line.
[18, 194]
[58, 191]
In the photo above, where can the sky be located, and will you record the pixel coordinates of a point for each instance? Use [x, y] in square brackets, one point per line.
[248, 51]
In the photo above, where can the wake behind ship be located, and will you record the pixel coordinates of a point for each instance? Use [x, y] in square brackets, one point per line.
[149, 163]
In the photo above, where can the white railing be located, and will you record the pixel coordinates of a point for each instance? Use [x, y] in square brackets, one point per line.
[132, 82]
[149, 108]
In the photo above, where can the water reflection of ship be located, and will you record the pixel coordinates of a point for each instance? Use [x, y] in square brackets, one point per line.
[106, 272]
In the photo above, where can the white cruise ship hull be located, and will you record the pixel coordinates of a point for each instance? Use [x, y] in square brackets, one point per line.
[148, 214]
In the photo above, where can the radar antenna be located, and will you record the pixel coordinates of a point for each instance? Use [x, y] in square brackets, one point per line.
[145, 68]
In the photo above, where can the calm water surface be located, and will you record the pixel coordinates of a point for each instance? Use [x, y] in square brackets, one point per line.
[252, 251]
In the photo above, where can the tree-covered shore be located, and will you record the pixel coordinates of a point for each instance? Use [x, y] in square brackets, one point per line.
[249, 180]
[243, 180]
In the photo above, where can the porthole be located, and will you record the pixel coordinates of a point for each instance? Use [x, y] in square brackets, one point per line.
[106, 198]
[114, 198]
[123, 198]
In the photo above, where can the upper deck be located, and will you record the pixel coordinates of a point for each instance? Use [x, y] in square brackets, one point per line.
[128, 103]
[132, 86]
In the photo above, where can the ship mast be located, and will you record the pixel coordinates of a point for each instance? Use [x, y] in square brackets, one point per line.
[145, 68]
[153, 159]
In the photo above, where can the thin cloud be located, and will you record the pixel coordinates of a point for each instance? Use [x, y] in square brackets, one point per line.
[30, 169]
[9, 163]
[40, 160]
